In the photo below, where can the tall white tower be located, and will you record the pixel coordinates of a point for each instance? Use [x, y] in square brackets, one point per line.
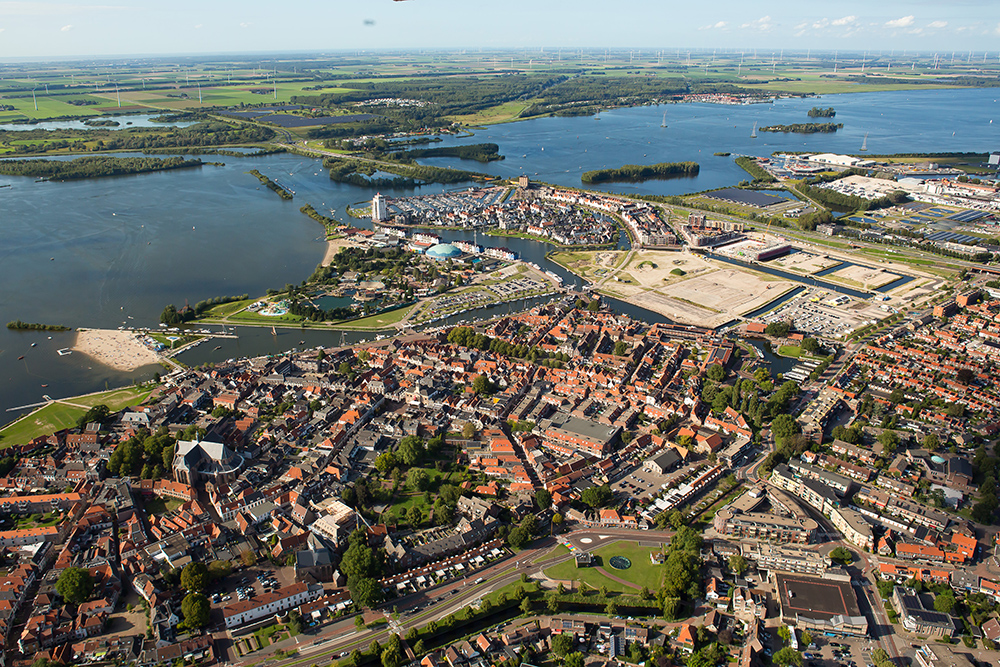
[380, 211]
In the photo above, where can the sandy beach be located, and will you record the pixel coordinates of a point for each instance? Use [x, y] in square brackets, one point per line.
[119, 349]
[333, 246]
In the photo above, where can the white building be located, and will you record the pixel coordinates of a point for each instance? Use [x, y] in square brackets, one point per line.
[380, 210]
[269, 604]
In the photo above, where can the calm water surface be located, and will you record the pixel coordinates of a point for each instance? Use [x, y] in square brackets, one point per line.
[108, 252]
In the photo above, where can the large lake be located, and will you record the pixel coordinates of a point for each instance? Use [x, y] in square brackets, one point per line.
[106, 252]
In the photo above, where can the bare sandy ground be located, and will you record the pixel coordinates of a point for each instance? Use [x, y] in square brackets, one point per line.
[333, 246]
[120, 350]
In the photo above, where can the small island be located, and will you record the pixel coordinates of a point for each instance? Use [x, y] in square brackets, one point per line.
[280, 191]
[477, 152]
[804, 128]
[92, 167]
[635, 173]
[817, 112]
[18, 325]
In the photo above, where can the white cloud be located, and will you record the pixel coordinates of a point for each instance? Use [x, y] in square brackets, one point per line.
[66, 28]
[244, 25]
[198, 27]
[51, 8]
[903, 22]
[721, 25]
[846, 20]
[937, 24]
[763, 24]
[997, 29]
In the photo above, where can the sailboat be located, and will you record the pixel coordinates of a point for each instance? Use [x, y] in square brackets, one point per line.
[664, 123]
[753, 133]
[864, 144]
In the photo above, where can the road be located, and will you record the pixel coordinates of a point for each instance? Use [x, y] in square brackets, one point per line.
[440, 601]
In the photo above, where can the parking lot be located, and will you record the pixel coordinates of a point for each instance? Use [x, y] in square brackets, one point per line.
[643, 484]
[814, 312]
[253, 581]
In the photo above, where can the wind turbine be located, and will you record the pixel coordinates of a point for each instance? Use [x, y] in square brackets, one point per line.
[119, 95]
[33, 99]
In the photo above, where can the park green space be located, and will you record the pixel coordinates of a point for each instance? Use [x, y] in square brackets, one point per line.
[642, 573]
[28, 521]
[380, 321]
[57, 416]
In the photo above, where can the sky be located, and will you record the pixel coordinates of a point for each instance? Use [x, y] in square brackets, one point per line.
[39, 29]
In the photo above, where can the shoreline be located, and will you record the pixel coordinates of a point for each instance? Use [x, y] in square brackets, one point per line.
[118, 349]
[333, 246]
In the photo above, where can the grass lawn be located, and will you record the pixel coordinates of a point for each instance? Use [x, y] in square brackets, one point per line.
[790, 351]
[380, 321]
[57, 416]
[157, 505]
[502, 113]
[642, 572]
[44, 421]
[116, 399]
[224, 309]
[37, 520]
[256, 318]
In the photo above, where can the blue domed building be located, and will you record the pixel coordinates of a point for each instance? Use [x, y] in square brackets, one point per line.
[443, 251]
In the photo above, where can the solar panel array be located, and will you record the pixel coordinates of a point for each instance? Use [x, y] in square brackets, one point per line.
[952, 237]
[967, 216]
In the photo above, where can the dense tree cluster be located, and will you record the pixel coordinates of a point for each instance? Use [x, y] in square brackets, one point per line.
[817, 112]
[478, 152]
[842, 202]
[750, 166]
[144, 455]
[92, 167]
[363, 567]
[75, 585]
[634, 173]
[803, 128]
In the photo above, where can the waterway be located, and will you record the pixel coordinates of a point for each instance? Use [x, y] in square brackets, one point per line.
[124, 121]
[113, 252]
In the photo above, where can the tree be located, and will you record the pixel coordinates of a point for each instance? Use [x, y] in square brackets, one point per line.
[621, 349]
[931, 442]
[385, 462]
[562, 645]
[367, 591]
[842, 555]
[557, 520]
[196, 610]
[414, 516]
[75, 585]
[248, 558]
[482, 385]
[543, 499]
[194, 576]
[785, 633]
[885, 588]
[944, 602]
[611, 609]
[889, 440]
[574, 659]
[716, 372]
[359, 622]
[787, 657]
[469, 430]
[783, 426]
[525, 606]
[738, 564]
[418, 479]
[597, 496]
[806, 638]
[810, 345]
[778, 329]
[411, 450]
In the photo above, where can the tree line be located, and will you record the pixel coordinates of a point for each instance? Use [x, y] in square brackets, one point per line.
[477, 152]
[18, 325]
[635, 173]
[92, 167]
[279, 190]
[172, 316]
[751, 167]
[842, 202]
[803, 128]
[355, 172]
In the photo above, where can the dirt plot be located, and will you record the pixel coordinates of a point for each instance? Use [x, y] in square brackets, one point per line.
[804, 262]
[706, 296]
[867, 276]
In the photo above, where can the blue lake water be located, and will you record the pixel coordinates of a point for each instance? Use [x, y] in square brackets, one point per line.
[124, 121]
[108, 252]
